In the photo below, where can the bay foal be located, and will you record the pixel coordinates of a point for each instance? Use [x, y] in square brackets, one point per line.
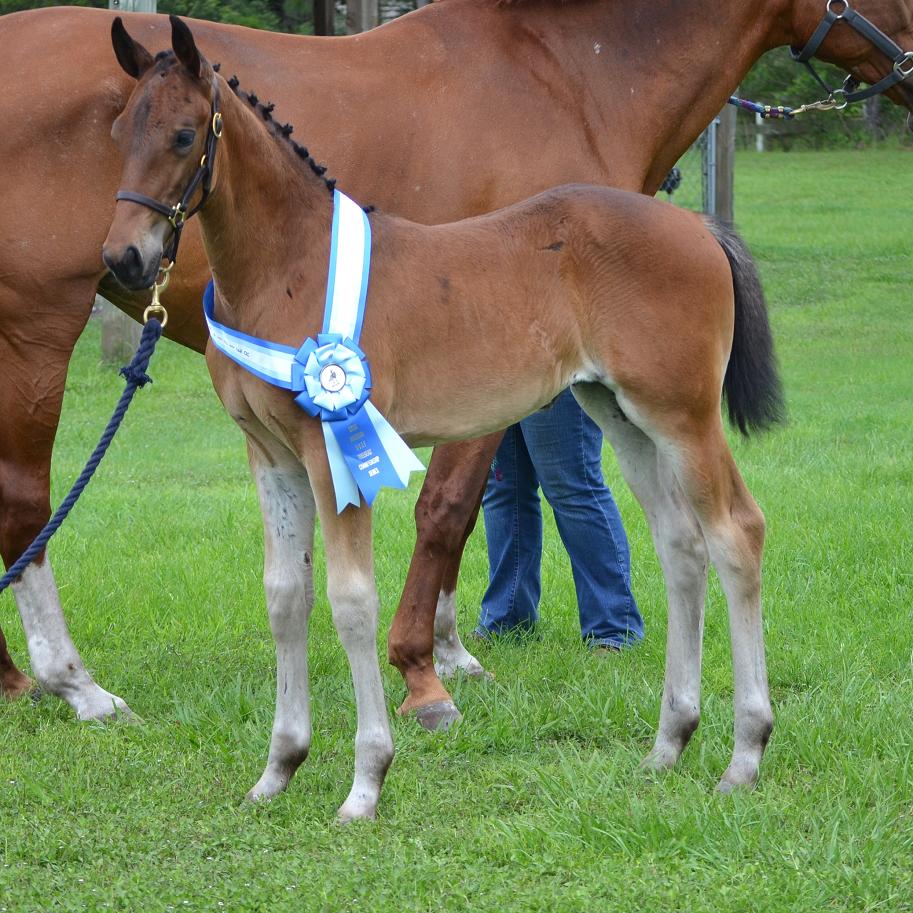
[582, 304]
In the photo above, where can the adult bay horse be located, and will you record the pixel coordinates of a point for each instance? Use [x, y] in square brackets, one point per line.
[459, 108]
[647, 351]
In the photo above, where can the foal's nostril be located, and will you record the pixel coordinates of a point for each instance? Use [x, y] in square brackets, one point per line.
[132, 263]
[128, 267]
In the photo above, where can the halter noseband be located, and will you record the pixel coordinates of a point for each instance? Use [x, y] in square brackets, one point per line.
[902, 60]
[178, 214]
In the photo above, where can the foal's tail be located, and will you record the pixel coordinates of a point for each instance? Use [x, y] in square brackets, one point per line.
[752, 388]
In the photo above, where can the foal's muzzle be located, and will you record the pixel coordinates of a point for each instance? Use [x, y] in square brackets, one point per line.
[131, 268]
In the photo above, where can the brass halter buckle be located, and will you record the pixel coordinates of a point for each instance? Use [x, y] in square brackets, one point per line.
[156, 308]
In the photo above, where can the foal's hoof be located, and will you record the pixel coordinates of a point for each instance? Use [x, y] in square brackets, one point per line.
[100, 706]
[349, 813]
[440, 715]
[468, 665]
[662, 757]
[270, 785]
[738, 777]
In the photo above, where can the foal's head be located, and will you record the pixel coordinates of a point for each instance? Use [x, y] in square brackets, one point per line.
[162, 134]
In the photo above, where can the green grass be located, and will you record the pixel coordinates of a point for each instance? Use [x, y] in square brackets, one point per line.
[534, 802]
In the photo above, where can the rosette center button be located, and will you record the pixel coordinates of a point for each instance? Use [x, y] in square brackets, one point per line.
[332, 378]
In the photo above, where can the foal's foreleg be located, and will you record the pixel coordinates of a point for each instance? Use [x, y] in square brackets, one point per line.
[426, 617]
[683, 557]
[287, 505]
[354, 602]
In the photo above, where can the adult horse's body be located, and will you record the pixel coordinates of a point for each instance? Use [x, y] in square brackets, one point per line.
[646, 350]
[457, 109]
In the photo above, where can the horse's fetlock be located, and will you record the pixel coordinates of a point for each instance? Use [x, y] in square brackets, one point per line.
[683, 716]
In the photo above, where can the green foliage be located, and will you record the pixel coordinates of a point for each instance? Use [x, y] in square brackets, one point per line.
[778, 80]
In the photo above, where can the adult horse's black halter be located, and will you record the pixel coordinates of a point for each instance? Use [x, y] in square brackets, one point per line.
[180, 212]
[850, 92]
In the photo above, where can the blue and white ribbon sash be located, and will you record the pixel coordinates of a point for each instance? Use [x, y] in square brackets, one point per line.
[331, 374]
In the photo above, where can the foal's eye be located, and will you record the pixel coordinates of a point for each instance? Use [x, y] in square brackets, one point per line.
[184, 139]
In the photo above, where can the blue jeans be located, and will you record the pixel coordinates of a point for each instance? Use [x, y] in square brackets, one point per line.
[560, 449]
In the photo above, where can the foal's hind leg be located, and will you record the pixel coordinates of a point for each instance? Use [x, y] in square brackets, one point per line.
[32, 377]
[683, 557]
[733, 526]
[287, 505]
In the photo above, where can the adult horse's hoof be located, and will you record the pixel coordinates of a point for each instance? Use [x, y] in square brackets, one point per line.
[16, 684]
[438, 716]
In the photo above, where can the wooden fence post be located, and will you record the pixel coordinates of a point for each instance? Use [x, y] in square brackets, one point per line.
[324, 17]
[361, 15]
[120, 334]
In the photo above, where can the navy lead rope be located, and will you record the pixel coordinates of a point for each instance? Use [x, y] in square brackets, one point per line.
[135, 374]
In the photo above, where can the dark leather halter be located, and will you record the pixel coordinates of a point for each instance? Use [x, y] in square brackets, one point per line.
[180, 212]
[850, 92]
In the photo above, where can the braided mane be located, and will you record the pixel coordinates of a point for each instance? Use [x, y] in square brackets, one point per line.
[280, 131]
[167, 59]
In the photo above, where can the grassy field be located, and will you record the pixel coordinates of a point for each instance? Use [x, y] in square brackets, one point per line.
[534, 802]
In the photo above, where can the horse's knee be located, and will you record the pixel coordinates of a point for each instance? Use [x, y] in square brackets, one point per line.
[354, 606]
[288, 598]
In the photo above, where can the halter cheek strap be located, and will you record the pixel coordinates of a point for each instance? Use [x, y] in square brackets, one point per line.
[841, 11]
[181, 211]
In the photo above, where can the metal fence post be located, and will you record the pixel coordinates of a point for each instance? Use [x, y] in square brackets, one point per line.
[708, 167]
[725, 165]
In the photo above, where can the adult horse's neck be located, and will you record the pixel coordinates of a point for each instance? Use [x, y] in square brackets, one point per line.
[650, 74]
[266, 225]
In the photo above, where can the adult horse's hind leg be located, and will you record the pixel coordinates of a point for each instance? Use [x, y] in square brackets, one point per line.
[287, 505]
[13, 683]
[683, 556]
[33, 368]
[424, 627]
[450, 656]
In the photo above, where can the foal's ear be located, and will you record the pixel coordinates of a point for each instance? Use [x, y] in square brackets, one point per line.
[131, 55]
[185, 47]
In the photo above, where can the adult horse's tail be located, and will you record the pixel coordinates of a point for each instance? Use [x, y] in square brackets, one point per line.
[751, 387]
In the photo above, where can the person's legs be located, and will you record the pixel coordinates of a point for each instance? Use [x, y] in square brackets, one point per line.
[565, 447]
[513, 530]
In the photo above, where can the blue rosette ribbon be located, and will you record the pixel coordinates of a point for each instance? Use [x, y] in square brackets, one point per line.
[331, 374]
[364, 451]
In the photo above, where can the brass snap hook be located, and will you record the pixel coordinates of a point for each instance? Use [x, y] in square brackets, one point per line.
[156, 307]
